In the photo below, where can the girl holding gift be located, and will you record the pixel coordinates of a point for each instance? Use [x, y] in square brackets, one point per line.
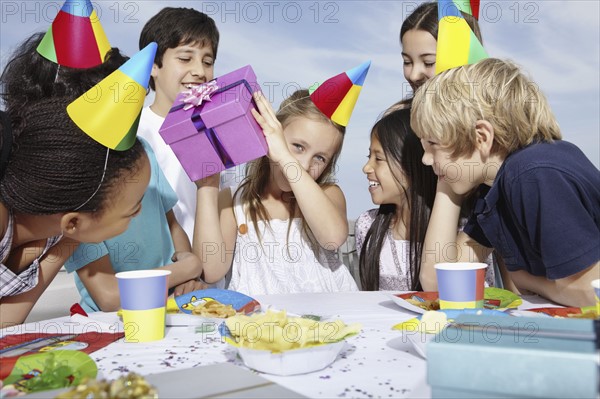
[278, 232]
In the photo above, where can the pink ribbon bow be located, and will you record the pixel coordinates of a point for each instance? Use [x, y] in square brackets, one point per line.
[197, 94]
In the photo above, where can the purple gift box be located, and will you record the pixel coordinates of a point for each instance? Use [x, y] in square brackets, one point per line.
[219, 133]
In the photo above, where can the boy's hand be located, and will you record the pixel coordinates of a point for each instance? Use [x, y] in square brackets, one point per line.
[272, 129]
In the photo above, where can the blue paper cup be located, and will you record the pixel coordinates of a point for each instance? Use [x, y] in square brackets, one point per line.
[143, 289]
[460, 284]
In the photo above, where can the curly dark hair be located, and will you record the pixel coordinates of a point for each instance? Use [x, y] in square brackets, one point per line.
[55, 167]
[29, 77]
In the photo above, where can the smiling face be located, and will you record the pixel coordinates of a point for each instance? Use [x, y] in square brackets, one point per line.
[123, 205]
[313, 143]
[182, 68]
[383, 186]
[418, 52]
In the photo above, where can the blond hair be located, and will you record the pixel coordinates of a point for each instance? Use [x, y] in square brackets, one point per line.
[447, 107]
[258, 172]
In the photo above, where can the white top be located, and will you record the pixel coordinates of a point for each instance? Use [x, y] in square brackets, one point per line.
[185, 209]
[281, 265]
[394, 272]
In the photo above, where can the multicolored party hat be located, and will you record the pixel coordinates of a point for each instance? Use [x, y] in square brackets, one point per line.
[110, 111]
[76, 38]
[337, 96]
[457, 45]
[470, 7]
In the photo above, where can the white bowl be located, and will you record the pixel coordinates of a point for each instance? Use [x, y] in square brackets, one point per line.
[291, 362]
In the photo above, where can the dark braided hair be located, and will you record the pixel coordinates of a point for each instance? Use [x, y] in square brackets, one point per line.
[29, 77]
[55, 167]
[403, 151]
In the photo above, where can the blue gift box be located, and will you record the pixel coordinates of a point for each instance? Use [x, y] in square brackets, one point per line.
[509, 357]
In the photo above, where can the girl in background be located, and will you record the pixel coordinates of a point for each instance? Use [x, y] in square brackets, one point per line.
[418, 38]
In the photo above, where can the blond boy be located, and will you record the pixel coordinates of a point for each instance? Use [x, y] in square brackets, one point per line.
[488, 126]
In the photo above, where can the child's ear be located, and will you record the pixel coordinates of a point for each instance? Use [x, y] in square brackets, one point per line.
[154, 70]
[73, 223]
[485, 137]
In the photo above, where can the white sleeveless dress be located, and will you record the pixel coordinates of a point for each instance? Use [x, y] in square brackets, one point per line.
[281, 265]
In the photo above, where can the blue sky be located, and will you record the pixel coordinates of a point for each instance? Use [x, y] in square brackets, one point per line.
[292, 44]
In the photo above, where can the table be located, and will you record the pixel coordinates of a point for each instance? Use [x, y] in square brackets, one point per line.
[378, 362]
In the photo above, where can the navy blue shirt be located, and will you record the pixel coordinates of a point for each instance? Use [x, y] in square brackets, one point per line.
[542, 213]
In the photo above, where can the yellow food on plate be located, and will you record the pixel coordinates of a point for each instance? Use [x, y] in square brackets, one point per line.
[214, 309]
[427, 305]
[277, 332]
[431, 322]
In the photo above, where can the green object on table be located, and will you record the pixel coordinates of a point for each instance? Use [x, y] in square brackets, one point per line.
[51, 370]
[508, 299]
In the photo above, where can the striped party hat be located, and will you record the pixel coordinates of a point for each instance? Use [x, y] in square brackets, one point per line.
[337, 96]
[76, 38]
[457, 45]
[470, 7]
[110, 111]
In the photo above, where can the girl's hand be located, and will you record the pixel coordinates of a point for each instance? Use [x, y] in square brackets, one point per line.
[272, 129]
[209, 181]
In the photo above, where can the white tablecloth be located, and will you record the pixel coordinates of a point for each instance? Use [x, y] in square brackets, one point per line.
[379, 362]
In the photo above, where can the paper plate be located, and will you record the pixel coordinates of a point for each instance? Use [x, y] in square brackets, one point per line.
[558, 312]
[494, 298]
[419, 339]
[51, 370]
[184, 303]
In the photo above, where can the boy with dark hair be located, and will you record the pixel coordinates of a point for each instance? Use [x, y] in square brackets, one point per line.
[187, 48]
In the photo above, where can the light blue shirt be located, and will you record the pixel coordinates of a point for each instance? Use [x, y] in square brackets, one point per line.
[146, 244]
